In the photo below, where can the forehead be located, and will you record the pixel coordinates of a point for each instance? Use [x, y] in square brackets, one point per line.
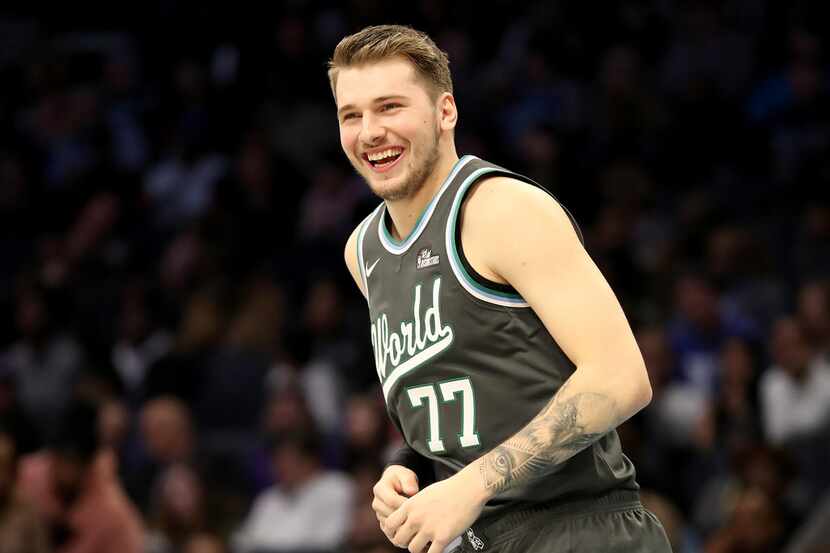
[391, 77]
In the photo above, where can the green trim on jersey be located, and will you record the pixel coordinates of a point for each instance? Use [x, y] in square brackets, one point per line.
[475, 288]
[398, 248]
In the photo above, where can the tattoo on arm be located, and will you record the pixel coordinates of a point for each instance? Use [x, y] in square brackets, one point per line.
[556, 434]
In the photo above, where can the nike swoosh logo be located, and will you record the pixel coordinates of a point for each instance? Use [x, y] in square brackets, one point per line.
[372, 268]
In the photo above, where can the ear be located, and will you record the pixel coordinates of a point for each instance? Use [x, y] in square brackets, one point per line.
[447, 112]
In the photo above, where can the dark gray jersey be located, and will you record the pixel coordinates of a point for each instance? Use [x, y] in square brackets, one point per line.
[465, 363]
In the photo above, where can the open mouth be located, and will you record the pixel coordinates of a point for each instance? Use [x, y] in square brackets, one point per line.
[384, 160]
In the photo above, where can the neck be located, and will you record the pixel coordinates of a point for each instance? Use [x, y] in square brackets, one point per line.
[405, 212]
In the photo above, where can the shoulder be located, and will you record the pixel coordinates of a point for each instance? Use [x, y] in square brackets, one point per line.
[351, 257]
[502, 208]
[350, 251]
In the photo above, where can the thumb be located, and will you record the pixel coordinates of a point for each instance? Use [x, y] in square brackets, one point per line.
[409, 483]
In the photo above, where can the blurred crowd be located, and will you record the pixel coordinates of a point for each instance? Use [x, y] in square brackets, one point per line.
[185, 363]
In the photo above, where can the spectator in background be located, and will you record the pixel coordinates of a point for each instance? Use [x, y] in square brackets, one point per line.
[814, 315]
[45, 362]
[649, 435]
[795, 390]
[21, 530]
[757, 468]
[287, 413]
[140, 343]
[177, 511]
[315, 355]
[756, 526]
[366, 429]
[698, 331]
[166, 438]
[73, 486]
[735, 409]
[795, 399]
[309, 509]
[203, 321]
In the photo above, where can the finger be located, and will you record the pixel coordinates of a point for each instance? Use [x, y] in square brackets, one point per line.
[396, 519]
[381, 508]
[404, 535]
[419, 543]
[437, 547]
[389, 535]
[409, 483]
[387, 494]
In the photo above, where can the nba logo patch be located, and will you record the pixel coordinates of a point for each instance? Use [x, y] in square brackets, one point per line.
[476, 542]
[425, 259]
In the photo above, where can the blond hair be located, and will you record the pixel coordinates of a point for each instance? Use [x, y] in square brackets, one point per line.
[381, 42]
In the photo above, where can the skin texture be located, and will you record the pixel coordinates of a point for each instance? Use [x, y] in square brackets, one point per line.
[551, 438]
[383, 105]
[539, 254]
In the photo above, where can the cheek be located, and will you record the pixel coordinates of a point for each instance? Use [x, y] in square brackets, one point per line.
[347, 140]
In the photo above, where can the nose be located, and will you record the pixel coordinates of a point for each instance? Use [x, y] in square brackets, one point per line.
[372, 132]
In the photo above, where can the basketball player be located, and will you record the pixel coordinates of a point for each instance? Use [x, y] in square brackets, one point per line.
[504, 356]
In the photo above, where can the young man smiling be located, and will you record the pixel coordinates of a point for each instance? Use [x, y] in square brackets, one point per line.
[505, 359]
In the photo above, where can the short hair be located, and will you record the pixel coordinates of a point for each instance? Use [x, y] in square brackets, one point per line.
[381, 42]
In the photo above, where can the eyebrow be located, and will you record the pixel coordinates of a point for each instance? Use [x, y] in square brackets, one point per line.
[378, 100]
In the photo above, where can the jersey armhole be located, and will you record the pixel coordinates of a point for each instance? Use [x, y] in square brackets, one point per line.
[476, 284]
[462, 257]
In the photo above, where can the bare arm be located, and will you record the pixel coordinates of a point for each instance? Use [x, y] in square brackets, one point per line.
[539, 254]
[515, 233]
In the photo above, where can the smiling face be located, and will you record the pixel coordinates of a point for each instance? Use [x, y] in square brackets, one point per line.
[391, 129]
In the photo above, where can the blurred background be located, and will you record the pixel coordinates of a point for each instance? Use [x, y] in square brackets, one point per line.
[185, 364]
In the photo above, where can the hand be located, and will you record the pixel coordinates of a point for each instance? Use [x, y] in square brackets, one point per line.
[438, 514]
[395, 485]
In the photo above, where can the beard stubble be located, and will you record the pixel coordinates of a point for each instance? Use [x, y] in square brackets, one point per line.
[416, 179]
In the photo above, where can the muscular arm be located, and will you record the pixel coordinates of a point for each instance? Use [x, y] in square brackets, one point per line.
[514, 233]
[569, 423]
[539, 254]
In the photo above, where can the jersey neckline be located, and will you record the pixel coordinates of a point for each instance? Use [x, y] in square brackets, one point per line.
[397, 248]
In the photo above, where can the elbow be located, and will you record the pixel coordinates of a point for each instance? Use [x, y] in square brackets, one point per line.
[639, 392]
[646, 393]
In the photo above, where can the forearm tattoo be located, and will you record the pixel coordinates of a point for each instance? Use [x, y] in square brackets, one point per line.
[555, 435]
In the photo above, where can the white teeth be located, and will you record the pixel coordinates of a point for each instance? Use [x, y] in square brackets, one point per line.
[384, 154]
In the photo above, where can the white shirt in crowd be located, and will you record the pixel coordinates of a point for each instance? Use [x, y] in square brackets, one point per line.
[316, 516]
[795, 409]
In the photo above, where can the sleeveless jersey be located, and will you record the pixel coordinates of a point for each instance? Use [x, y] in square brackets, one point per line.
[465, 363]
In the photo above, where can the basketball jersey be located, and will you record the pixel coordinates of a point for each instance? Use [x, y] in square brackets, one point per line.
[464, 362]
